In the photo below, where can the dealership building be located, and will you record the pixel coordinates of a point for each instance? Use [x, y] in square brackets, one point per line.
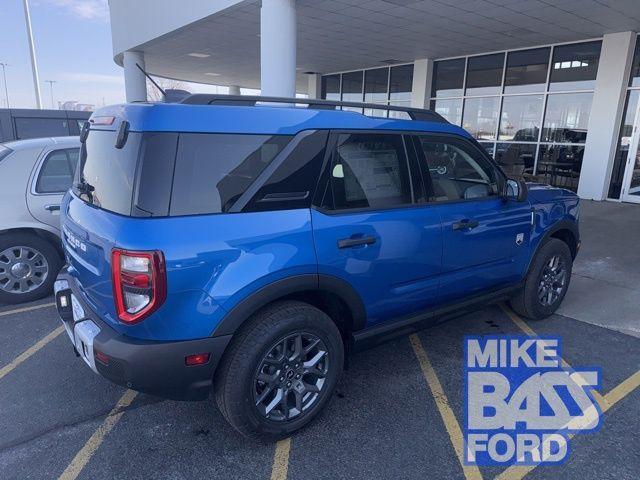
[549, 87]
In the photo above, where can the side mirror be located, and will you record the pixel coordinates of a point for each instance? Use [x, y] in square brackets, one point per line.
[516, 189]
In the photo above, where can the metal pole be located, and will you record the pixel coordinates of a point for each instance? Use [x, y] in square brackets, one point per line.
[51, 82]
[6, 89]
[32, 50]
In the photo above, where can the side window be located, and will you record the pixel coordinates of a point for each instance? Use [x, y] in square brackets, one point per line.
[293, 182]
[457, 170]
[213, 170]
[56, 173]
[370, 171]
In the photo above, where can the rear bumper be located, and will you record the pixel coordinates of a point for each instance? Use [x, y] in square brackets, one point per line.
[157, 368]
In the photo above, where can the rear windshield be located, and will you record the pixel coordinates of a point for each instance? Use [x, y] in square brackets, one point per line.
[160, 174]
[106, 174]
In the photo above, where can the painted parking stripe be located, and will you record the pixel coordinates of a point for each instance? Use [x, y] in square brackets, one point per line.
[29, 352]
[281, 460]
[449, 418]
[26, 309]
[86, 452]
[522, 325]
[605, 402]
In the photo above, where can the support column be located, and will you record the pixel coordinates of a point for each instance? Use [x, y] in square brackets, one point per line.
[278, 48]
[606, 114]
[234, 90]
[314, 90]
[135, 83]
[422, 78]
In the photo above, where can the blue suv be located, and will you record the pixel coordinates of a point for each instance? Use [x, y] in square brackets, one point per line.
[234, 245]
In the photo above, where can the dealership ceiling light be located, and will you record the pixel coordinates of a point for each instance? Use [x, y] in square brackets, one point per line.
[199, 55]
[211, 74]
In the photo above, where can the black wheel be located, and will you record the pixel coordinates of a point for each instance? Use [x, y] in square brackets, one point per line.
[279, 371]
[28, 267]
[547, 281]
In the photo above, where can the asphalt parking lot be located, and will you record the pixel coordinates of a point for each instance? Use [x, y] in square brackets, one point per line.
[394, 415]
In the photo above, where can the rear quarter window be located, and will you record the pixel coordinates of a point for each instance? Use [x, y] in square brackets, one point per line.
[213, 170]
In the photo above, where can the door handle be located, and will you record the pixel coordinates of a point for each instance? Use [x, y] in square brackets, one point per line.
[465, 224]
[355, 242]
[52, 208]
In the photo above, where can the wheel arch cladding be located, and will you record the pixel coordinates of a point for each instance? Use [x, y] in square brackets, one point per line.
[333, 296]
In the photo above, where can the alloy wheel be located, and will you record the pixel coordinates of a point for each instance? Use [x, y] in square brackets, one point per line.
[291, 376]
[552, 281]
[22, 269]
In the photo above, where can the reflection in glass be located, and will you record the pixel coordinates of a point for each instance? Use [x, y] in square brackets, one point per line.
[401, 83]
[574, 67]
[520, 119]
[527, 70]
[634, 186]
[450, 109]
[481, 117]
[448, 76]
[375, 85]
[484, 74]
[331, 87]
[560, 165]
[516, 159]
[624, 142]
[567, 118]
[489, 147]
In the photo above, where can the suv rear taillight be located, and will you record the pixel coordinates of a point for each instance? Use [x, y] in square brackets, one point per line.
[139, 283]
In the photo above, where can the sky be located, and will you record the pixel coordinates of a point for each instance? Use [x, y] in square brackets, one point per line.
[73, 48]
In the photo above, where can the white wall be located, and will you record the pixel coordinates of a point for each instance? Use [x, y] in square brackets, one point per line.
[421, 87]
[606, 114]
[134, 22]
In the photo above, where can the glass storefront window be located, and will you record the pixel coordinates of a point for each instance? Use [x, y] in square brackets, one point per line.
[520, 119]
[634, 78]
[567, 118]
[450, 109]
[480, 117]
[624, 143]
[448, 77]
[516, 159]
[574, 67]
[375, 85]
[352, 89]
[560, 165]
[484, 74]
[331, 87]
[401, 83]
[527, 70]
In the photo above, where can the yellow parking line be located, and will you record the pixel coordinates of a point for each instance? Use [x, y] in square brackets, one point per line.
[522, 325]
[605, 402]
[26, 309]
[281, 460]
[448, 417]
[86, 452]
[30, 351]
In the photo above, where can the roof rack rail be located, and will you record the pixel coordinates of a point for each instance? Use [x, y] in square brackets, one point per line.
[252, 100]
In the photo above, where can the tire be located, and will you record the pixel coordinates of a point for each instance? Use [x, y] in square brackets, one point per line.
[237, 390]
[528, 302]
[28, 267]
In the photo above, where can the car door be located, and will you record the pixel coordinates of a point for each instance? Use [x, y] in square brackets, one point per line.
[369, 229]
[485, 235]
[53, 177]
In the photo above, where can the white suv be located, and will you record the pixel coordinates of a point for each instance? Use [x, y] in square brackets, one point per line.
[34, 176]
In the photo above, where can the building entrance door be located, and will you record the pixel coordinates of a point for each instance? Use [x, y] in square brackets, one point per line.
[631, 181]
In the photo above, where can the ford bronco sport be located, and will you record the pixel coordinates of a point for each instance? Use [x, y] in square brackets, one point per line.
[231, 245]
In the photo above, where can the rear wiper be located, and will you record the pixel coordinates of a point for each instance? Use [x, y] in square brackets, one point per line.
[84, 188]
